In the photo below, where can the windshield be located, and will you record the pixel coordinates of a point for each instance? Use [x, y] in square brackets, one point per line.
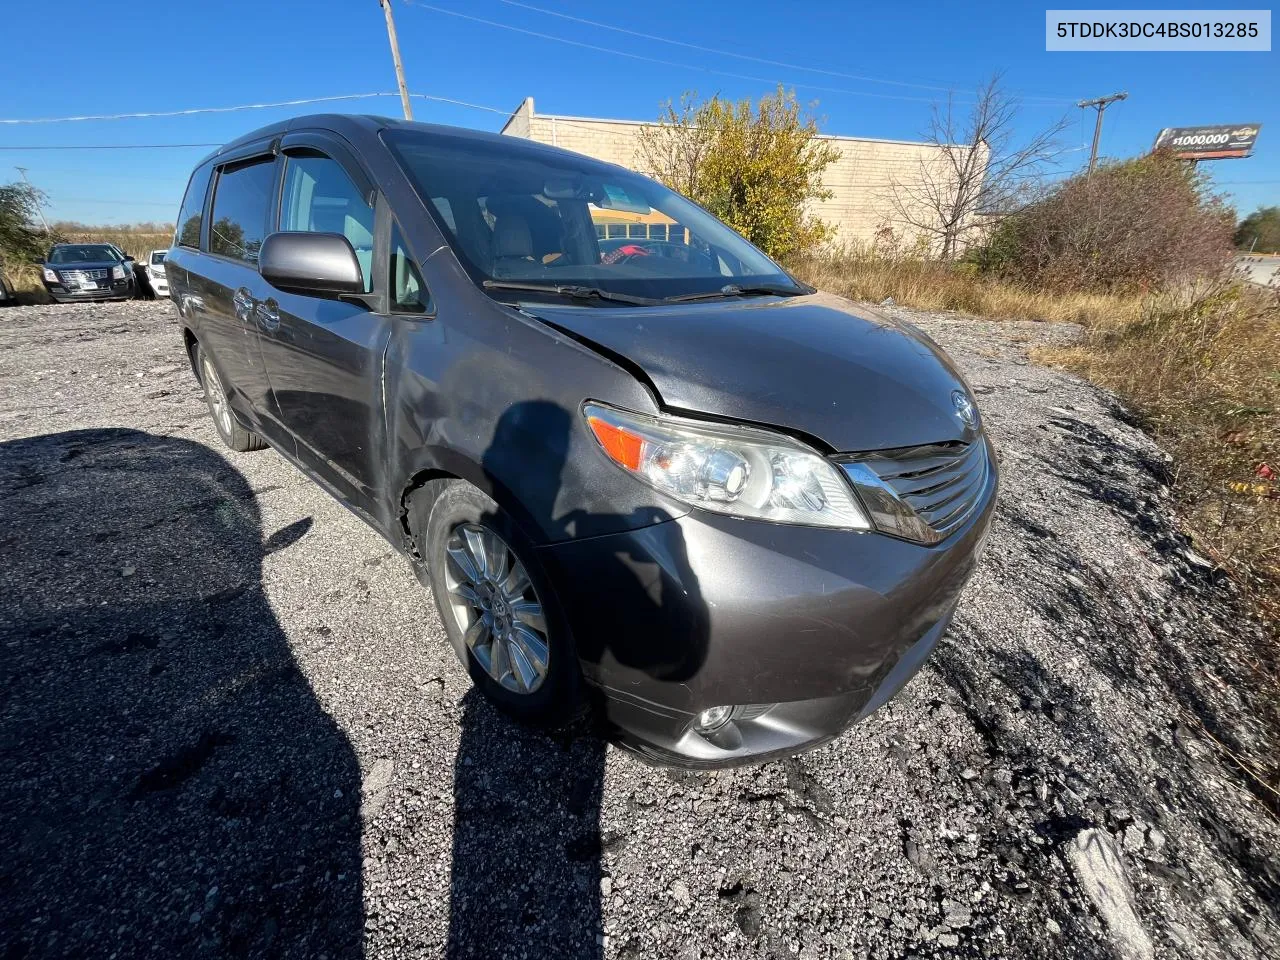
[157, 256]
[521, 214]
[84, 253]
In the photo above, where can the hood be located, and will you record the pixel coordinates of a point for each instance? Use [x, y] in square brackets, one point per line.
[813, 364]
[86, 265]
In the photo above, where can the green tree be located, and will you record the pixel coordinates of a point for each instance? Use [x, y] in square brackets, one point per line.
[756, 166]
[19, 208]
[1259, 232]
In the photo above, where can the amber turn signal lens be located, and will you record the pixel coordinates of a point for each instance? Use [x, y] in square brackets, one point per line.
[621, 444]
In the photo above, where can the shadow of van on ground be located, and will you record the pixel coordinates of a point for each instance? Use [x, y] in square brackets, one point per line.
[527, 844]
[169, 785]
[525, 876]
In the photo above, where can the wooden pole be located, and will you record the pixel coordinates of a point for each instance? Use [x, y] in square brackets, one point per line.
[395, 56]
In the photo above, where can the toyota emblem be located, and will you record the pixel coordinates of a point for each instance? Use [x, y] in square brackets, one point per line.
[965, 409]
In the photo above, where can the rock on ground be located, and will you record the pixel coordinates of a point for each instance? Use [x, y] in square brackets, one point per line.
[1096, 862]
[232, 724]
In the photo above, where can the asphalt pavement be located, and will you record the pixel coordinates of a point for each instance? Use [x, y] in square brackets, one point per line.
[1263, 270]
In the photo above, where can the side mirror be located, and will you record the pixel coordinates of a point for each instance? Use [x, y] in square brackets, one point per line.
[312, 264]
[129, 257]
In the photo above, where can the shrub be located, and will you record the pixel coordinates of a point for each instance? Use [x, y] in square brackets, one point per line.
[1139, 224]
[755, 166]
[19, 207]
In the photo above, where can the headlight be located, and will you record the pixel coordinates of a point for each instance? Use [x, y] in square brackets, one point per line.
[740, 471]
[50, 275]
[117, 273]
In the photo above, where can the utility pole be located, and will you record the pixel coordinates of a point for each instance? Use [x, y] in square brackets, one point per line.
[39, 209]
[395, 56]
[1100, 104]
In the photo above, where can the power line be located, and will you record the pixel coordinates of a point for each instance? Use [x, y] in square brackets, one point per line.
[194, 110]
[660, 62]
[109, 146]
[743, 56]
[236, 108]
[175, 146]
[460, 103]
[54, 201]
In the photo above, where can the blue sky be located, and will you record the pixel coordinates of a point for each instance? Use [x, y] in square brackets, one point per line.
[180, 56]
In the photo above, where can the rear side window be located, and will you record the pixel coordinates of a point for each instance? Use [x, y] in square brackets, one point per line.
[192, 212]
[319, 197]
[241, 203]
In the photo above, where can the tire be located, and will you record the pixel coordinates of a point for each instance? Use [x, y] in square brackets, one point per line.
[224, 418]
[460, 518]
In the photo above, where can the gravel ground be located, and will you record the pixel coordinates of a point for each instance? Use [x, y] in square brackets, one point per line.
[231, 724]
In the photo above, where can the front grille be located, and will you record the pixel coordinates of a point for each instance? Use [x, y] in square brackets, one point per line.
[83, 276]
[922, 493]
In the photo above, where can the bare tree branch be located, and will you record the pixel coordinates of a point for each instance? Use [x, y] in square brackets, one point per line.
[977, 172]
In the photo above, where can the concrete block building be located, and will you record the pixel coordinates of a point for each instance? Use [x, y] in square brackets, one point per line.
[861, 180]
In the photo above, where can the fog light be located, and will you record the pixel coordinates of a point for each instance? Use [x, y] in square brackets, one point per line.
[713, 718]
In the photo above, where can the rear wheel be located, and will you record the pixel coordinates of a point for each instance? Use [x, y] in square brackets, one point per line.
[497, 607]
[224, 419]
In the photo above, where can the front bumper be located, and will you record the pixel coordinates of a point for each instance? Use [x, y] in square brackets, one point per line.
[113, 290]
[806, 630]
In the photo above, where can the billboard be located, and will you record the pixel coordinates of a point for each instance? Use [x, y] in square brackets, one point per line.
[1209, 143]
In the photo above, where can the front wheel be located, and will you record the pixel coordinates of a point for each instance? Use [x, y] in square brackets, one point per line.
[497, 607]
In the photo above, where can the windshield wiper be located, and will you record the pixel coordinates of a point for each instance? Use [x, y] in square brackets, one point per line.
[575, 291]
[733, 290]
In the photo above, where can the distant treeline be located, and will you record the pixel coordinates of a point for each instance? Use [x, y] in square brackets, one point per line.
[70, 227]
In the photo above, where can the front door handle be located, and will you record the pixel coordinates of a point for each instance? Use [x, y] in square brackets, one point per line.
[267, 313]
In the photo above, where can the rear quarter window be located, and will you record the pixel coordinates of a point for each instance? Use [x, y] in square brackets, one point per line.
[191, 216]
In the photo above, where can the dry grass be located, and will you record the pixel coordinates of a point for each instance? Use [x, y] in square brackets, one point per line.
[1202, 367]
[24, 280]
[133, 242]
[929, 285]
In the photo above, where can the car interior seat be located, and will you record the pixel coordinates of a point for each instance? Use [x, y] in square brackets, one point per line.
[512, 244]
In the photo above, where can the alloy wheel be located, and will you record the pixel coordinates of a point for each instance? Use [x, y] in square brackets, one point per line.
[497, 608]
[217, 397]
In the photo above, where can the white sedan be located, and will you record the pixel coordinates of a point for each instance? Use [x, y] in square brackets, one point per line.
[155, 272]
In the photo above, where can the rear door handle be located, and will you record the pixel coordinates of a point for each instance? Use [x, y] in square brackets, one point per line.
[267, 313]
[243, 302]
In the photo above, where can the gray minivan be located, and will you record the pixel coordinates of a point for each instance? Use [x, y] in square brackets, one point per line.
[641, 467]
